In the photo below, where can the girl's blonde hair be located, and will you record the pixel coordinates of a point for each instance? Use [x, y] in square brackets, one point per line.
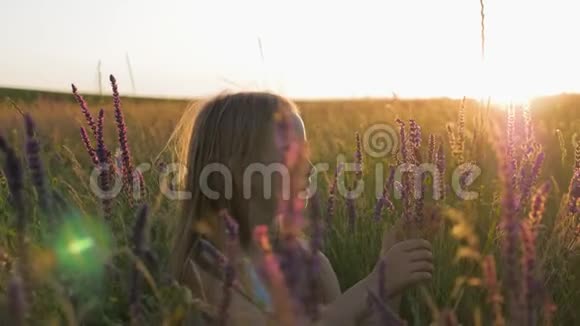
[234, 131]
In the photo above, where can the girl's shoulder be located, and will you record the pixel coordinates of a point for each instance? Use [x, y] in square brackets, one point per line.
[241, 310]
[327, 278]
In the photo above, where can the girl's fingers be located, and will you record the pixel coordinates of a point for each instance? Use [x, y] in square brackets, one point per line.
[414, 244]
[421, 266]
[420, 255]
[420, 277]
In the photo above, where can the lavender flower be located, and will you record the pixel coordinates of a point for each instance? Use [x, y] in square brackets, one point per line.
[232, 241]
[385, 200]
[562, 143]
[441, 165]
[574, 193]
[529, 299]
[85, 110]
[494, 296]
[139, 248]
[528, 129]
[142, 187]
[431, 146]
[122, 133]
[414, 134]
[460, 144]
[292, 262]
[420, 200]
[88, 146]
[17, 301]
[402, 135]
[271, 270]
[451, 136]
[465, 175]
[379, 208]
[351, 209]
[511, 230]
[577, 155]
[538, 205]
[390, 179]
[14, 175]
[415, 141]
[332, 196]
[528, 179]
[103, 157]
[358, 157]
[510, 133]
[35, 164]
[407, 197]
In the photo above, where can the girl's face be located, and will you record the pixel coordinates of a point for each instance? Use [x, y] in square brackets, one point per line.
[300, 136]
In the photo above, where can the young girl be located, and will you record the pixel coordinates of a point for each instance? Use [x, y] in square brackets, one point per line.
[231, 134]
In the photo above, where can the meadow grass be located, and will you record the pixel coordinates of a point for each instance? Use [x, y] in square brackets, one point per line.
[97, 292]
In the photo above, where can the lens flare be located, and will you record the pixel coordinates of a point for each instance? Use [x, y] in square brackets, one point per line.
[79, 246]
[82, 245]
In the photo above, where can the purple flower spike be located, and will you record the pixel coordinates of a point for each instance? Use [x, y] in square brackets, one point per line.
[88, 146]
[574, 193]
[103, 157]
[358, 157]
[379, 208]
[14, 175]
[332, 196]
[431, 152]
[351, 209]
[538, 205]
[85, 110]
[511, 235]
[529, 293]
[577, 155]
[14, 178]
[231, 248]
[403, 139]
[122, 133]
[35, 164]
[414, 134]
[384, 201]
[529, 178]
[441, 165]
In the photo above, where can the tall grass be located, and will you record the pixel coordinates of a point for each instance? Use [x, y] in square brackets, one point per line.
[508, 257]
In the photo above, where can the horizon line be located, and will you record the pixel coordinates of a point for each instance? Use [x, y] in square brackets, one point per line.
[394, 96]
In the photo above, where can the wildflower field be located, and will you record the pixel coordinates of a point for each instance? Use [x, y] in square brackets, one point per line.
[507, 254]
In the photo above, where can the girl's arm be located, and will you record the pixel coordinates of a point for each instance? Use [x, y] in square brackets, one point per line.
[407, 263]
[351, 307]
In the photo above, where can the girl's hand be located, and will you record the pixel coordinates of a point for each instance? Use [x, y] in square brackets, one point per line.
[392, 235]
[406, 263]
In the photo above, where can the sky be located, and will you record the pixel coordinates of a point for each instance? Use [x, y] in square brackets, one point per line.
[309, 48]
